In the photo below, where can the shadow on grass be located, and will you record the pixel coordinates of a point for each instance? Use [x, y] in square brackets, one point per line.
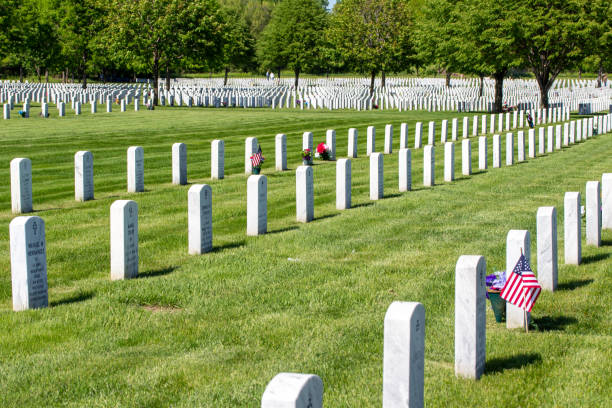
[278, 231]
[575, 284]
[362, 205]
[158, 272]
[326, 216]
[228, 246]
[552, 323]
[594, 258]
[499, 365]
[80, 297]
[392, 195]
[606, 242]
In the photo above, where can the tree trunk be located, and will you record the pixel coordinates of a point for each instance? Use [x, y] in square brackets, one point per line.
[20, 74]
[499, 90]
[372, 79]
[38, 74]
[383, 79]
[599, 74]
[155, 78]
[279, 72]
[448, 78]
[544, 82]
[226, 75]
[579, 73]
[167, 77]
[297, 77]
[481, 89]
[46, 75]
[84, 85]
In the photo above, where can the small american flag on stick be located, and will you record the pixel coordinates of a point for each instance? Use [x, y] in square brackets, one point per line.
[522, 288]
[257, 158]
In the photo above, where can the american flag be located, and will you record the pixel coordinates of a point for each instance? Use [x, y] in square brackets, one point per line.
[522, 288]
[257, 158]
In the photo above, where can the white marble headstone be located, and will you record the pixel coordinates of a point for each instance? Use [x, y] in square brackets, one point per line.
[289, 390]
[179, 164]
[376, 176]
[496, 151]
[517, 242]
[304, 194]
[124, 239]
[547, 247]
[606, 201]
[343, 184]
[83, 176]
[449, 161]
[509, 149]
[352, 143]
[199, 211]
[135, 169]
[429, 159]
[388, 139]
[371, 140]
[593, 213]
[330, 141]
[21, 185]
[250, 148]
[217, 159]
[470, 316]
[257, 205]
[404, 136]
[405, 170]
[572, 228]
[404, 355]
[28, 263]
[482, 153]
[466, 157]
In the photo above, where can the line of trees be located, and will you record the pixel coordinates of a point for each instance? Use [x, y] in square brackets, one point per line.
[123, 39]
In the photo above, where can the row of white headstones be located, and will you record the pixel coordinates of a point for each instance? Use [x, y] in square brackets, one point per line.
[404, 322]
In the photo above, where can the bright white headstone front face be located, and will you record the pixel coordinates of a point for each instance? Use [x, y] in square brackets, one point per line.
[179, 164]
[593, 213]
[83, 176]
[449, 161]
[21, 185]
[405, 170]
[404, 136]
[418, 135]
[28, 263]
[482, 153]
[517, 242]
[217, 160]
[572, 233]
[376, 176]
[289, 390]
[352, 142]
[199, 211]
[257, 205]
[250, 148]
[606, 198]
[496, 151]
[431, 135]
[470, 316]
[330, 141]
[371, 140]
[280, 152]
[343, 184]
[404, 355]
[135, 157]
[466, 157]
[547, 247]
[509, 149]
[388, 139]
[304, 194]
[124, 239]
[307, 141]
[429, 166]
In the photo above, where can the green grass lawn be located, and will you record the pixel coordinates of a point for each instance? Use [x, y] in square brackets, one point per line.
[212, 330]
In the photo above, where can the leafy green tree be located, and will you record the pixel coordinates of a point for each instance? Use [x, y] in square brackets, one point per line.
[550, 37]
[487, 31]
[239, 45]
[293, 38]
[439, 38]
[371, 35]
[151, 34]
[599, 46]
[80, 22]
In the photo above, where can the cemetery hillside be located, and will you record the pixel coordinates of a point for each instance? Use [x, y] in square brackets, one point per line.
[305, 204]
